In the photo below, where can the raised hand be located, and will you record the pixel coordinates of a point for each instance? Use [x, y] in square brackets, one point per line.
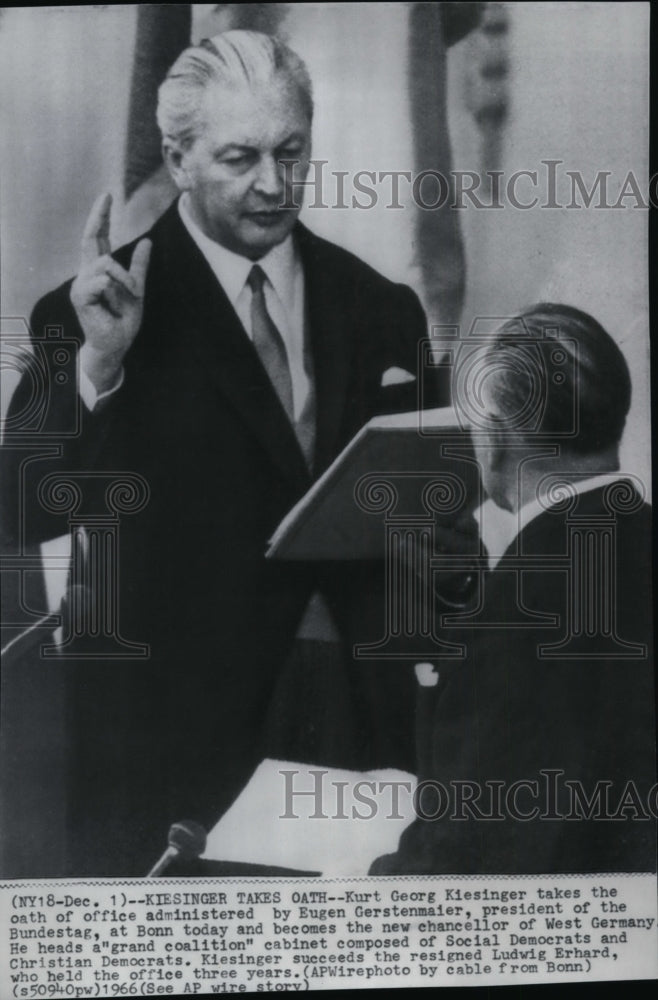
[108, 300]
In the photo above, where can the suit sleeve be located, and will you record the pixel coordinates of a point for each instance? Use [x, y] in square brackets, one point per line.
[415, 853]
[48, 428]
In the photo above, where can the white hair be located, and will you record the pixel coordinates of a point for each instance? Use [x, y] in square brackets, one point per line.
[230, 59]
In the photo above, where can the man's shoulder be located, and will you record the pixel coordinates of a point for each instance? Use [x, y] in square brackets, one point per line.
[620, 501]
[615, 514]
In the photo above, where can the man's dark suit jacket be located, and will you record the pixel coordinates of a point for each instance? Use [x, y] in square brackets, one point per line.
[504, 714]
[178, 735]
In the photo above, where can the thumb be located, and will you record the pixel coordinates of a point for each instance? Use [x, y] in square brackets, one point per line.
[139, 264]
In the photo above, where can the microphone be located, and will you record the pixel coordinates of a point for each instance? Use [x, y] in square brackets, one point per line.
[187, 840]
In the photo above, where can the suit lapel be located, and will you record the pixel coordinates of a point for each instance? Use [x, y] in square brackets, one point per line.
[212, 327]
[329, 328]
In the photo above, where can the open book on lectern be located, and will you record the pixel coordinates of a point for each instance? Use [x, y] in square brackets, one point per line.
[406, 467]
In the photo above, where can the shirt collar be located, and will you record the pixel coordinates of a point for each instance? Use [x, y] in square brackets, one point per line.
[280, 264]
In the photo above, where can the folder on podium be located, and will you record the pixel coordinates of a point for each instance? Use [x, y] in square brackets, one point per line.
[388, 468]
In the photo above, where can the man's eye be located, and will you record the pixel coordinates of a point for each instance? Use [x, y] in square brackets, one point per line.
[291, 153]
[237, 159]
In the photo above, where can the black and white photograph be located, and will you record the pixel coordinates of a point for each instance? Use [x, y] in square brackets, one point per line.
[325, 497]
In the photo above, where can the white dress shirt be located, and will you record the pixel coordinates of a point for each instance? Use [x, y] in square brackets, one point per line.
[283, 290]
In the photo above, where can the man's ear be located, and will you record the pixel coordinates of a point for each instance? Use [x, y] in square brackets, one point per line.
[174, 157]
[506, 446]
[503, 471]
[496, 453]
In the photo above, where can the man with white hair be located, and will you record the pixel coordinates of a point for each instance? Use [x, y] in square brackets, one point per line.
[227, 357]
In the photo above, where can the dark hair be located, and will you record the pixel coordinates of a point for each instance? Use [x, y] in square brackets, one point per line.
[557, 369]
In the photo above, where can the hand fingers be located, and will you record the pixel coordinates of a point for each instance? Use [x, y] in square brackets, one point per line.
[113, 300]
[93, 288]
[139, 265]
[97, 289]
[108, 266]
[122, 277]
[96, 235]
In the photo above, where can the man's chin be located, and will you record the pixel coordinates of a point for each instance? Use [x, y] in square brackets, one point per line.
[261, 235]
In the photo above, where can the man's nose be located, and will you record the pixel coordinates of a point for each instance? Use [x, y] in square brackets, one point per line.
[269, 178]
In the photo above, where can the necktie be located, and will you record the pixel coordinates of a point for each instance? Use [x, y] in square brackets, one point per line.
[269, 342]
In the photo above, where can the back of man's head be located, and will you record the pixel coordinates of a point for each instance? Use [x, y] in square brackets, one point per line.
[230, 60]
[554, 371]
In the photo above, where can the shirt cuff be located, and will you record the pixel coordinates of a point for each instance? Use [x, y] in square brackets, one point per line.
[426, 674]
[88, 393]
